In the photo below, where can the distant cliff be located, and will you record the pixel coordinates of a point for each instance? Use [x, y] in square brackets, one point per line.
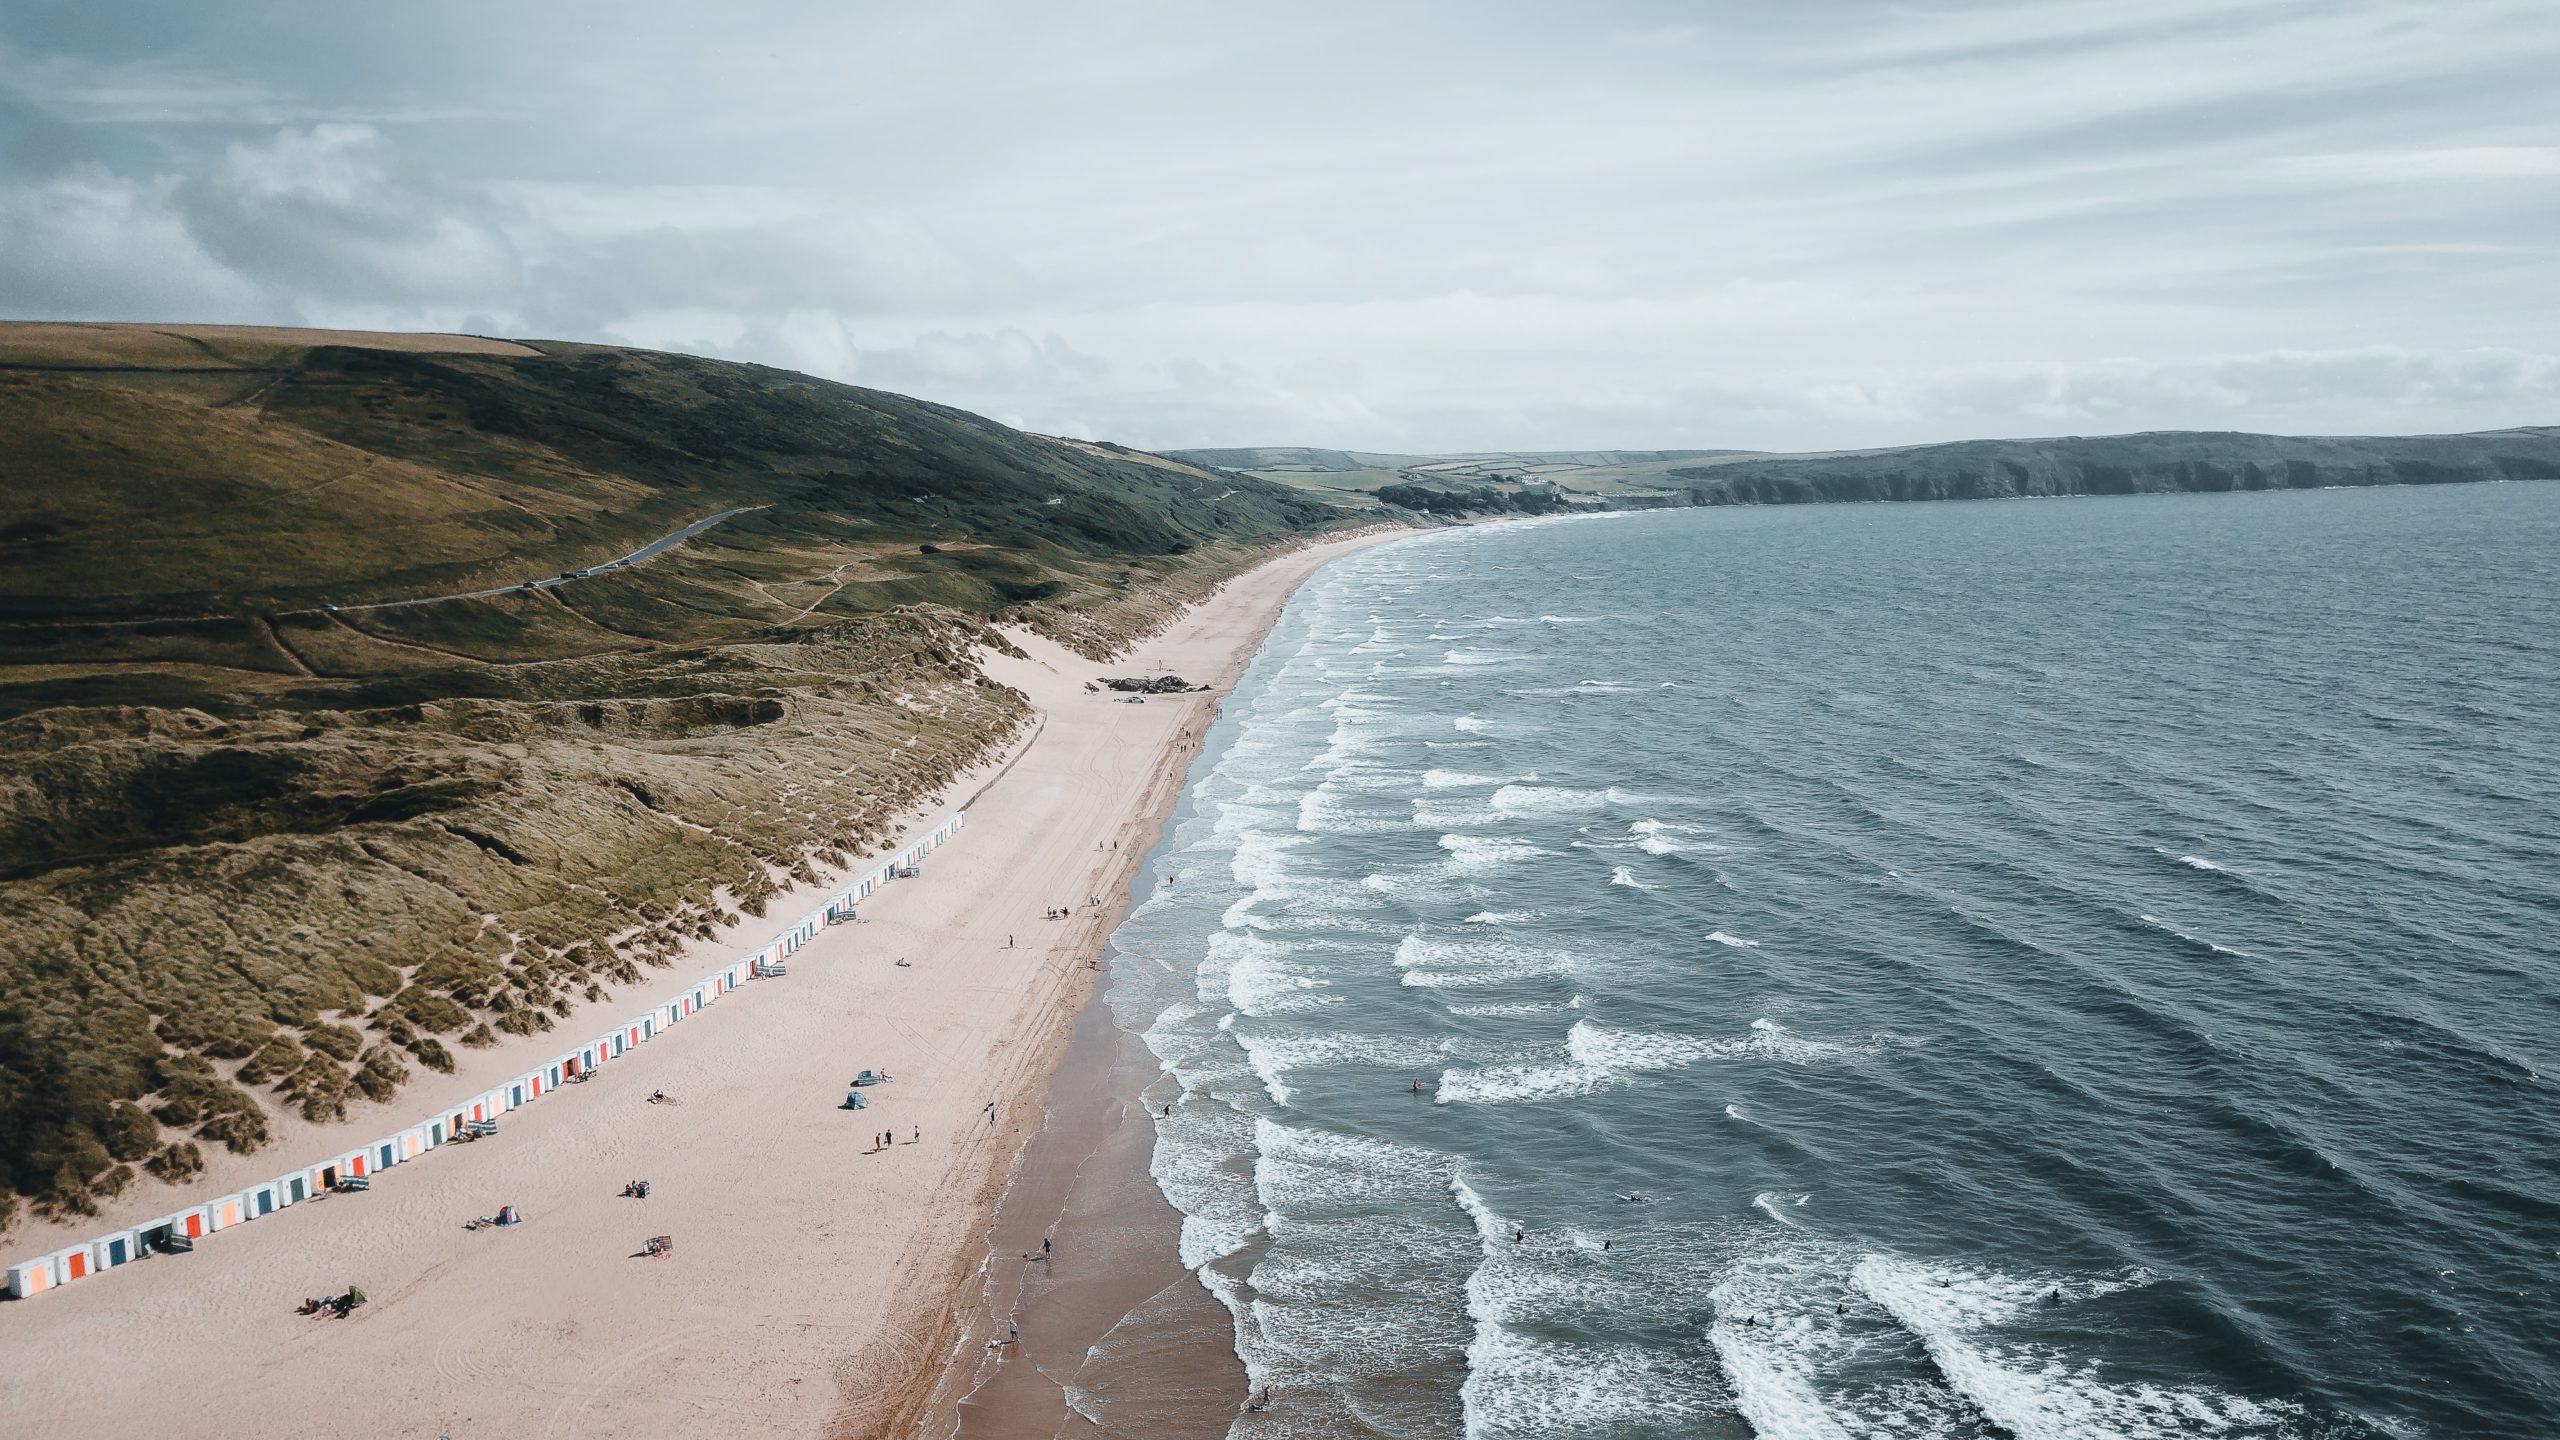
[2156, 462]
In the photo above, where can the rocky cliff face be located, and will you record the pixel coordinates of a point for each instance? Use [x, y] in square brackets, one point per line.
[2153, 463]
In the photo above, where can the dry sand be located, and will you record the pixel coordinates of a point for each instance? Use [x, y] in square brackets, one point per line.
[815, 1289]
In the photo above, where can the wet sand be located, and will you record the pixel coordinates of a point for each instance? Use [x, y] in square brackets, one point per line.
[1117, 1338]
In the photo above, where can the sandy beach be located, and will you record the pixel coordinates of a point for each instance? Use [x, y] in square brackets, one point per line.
[819, 1284]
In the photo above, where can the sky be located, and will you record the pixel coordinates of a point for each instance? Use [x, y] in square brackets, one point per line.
[1401, 227]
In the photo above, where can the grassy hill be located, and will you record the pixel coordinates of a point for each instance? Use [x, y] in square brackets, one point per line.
[258, 853]
[2159, 461]
[1350, 476]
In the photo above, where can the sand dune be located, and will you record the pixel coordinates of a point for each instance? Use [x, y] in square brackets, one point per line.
[812, 1286]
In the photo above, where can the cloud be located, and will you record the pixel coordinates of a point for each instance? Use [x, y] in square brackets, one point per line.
[1365, 226]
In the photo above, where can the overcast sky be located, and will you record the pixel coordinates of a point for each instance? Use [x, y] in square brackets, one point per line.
[1376, 225]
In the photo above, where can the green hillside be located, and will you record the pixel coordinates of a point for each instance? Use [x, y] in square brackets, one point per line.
[259, 852]
[2155, 462]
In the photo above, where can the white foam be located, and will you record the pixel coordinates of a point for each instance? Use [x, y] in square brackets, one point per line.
[1629, 1051]
[1475, 854]
[1509, 1007]
[1519, 800]
[1472, 725]
[1736, 941]
[1259, 978]
[2157, 923]
[1477, 657]
[1277, 1053]
[1621, 875]
[1456, 779]
[2029, 1388]
[1779, 1205]
[1514, 1084]
[1300, 1168]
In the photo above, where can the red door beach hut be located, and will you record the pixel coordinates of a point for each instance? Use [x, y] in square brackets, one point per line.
[77, 1263]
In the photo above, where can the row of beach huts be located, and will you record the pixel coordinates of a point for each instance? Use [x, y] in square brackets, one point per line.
[476, 1116]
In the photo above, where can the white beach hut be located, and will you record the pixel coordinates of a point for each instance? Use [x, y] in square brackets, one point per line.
[120, 1247]
[31, 1278]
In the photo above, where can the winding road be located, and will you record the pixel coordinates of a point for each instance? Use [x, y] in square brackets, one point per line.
[663, 542]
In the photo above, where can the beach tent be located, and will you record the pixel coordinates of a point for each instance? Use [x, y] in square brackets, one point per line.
[77, 1263]
[34, 1277]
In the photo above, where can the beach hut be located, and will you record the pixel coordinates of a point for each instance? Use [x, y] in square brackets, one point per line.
[121, 1248]
[295, 1188]
[259, 1200]
[354, 1165]
[77, 1263]
[413, 1142]
[31, 1278]
[226, 1212]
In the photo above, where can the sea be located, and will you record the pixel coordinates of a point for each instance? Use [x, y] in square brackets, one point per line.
[2076, 968]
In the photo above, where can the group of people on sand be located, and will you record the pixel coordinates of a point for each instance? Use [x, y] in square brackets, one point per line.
[334, 1307]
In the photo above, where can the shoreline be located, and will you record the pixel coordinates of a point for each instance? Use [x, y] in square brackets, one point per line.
[801, 1257]
[1081, 1181]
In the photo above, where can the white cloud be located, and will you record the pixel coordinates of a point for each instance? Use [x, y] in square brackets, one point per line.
[1399, 228]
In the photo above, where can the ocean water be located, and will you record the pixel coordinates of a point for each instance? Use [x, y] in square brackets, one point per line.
[2079, 968]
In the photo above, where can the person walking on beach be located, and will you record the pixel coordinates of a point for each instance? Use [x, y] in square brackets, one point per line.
[918, 1136]
[991, 1114]
[1044, 1247]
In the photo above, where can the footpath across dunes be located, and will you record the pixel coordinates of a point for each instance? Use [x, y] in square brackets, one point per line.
[818, 1282]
